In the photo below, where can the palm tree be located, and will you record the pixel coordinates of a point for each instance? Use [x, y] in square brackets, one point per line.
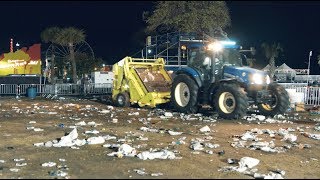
[70, 37]
[50, 35]
[271, 52]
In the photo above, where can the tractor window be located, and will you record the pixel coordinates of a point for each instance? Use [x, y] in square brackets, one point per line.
[197, 58]
[231, 56]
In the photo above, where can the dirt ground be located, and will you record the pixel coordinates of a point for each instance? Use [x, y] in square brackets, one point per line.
[55, 116]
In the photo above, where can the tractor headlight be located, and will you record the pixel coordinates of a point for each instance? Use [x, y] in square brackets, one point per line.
[268, 80]
[257, 78]
[216, 46]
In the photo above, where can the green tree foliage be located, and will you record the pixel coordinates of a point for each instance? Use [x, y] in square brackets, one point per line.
[188, 16]
[69, 37]
[271, 52]
[49, 35]
[318, 59]
[85, 64]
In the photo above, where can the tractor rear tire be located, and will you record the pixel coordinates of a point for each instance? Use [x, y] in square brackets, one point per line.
[123, 100]
[184, 94]
[231, 101]
[280, 104]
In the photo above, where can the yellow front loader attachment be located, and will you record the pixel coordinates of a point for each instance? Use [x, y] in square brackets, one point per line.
[142, 81]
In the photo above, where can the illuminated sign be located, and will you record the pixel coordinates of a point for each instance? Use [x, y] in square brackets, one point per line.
[22, 61]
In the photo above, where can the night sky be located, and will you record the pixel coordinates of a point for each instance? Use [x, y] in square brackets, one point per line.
[113, 28]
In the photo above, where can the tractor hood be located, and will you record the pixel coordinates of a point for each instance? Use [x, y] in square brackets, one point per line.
[246, 75]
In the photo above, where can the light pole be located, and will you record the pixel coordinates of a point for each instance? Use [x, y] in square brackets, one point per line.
[310, 54]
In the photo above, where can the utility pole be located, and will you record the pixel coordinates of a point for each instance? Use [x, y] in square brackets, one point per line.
[310, 54]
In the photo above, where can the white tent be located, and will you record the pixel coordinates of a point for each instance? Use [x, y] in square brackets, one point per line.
[285, 69]
[266, 68]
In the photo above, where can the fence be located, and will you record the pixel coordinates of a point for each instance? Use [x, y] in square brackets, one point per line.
[311, 94]
[57, 89]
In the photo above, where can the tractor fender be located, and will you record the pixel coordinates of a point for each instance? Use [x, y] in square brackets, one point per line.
[190, 72]
[214, 86]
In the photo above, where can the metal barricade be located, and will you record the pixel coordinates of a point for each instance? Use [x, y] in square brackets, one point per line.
[9, 89]
[312, 96]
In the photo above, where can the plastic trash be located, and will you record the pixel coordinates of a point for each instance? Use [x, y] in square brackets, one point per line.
[248, 162]
[172, 133]
[67, 140]
[164, 154]
[156, 174]
[168, 114]
[96, 140]
[140, 171]
[127, 150]
[38, 144]
[196, 146]
[205, 129]
[48, 144]
[290, 138]
[49, 164]
[21, 164]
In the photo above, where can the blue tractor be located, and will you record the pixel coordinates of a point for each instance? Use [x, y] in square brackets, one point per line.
[215, 73]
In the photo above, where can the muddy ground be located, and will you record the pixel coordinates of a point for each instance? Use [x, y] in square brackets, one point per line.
[54, 118]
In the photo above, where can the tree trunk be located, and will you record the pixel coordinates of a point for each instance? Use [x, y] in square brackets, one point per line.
[73, 63]
[52, 70]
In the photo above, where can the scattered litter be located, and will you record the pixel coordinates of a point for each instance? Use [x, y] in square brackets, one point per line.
[172, 133]
[140, 171]
[82, 123]
[68, 140]
[104, 111]
[37, 129]
[21, 164]
[270, 175]
[289, 137]
[210, 145]
[38, 144]
[133, 113]
[62, 160]
[221, 153]
[145, 129]
[232, 161]
[163, 154]
[157, 174]
[14, 169]
[108, 137]
[58, 173]
[196, 146]
[18, 160]
[248, 162]
[168, 114]
[49, 164]
[205, 129]
[96, 140]
[312, 136]
[92, 132]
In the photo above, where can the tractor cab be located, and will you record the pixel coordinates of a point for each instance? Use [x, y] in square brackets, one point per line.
[209, 59]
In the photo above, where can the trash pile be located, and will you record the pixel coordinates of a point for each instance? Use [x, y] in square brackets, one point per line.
[246, 166]
[251, 140]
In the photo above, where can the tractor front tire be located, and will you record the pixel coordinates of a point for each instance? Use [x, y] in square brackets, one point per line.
[184, 94]
[279, 104]
[123, 100]
[231, 101]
